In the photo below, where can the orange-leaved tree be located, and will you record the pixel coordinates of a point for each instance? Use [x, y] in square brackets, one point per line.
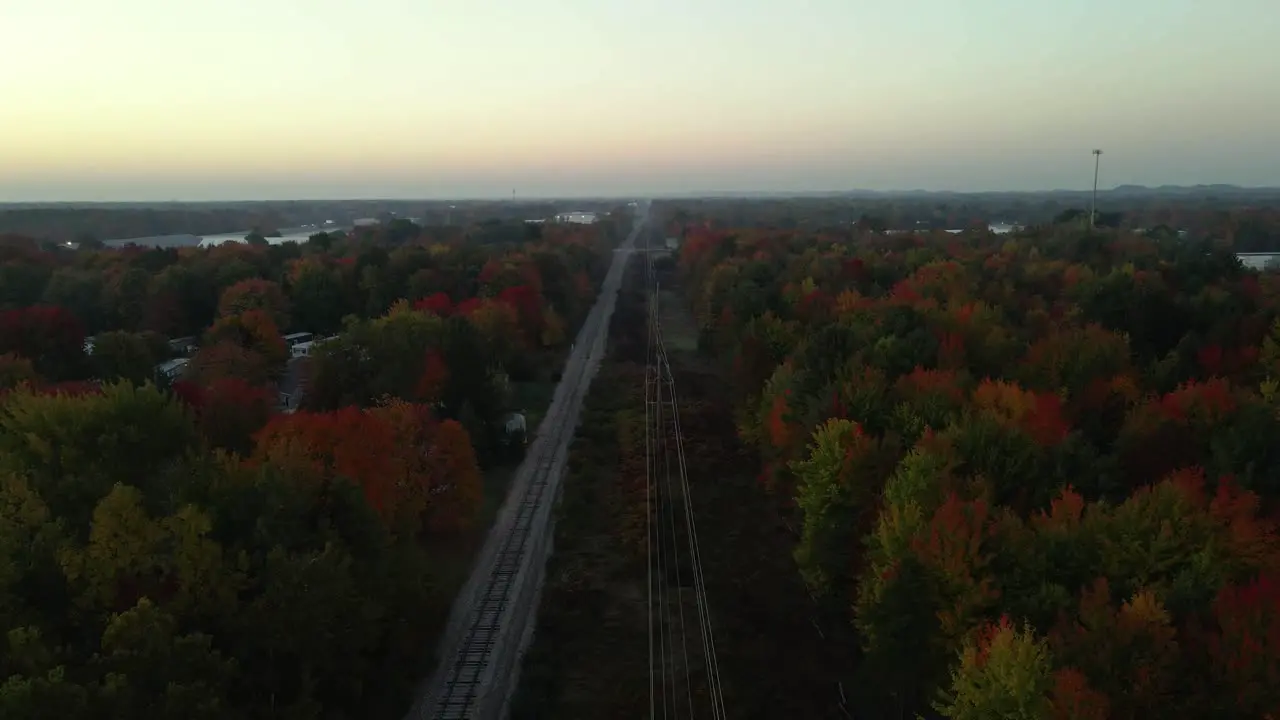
[253, 330]
[348, 444]
[255, 294]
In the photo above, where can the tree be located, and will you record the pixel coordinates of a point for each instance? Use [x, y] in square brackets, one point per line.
[22, 282]
[553, 330]
[29, 546]
[74, 448]
[119, 355]
[528, 306]
[348, 444]
[470, 368]
[79, 292]
[127, 296]
[153, 670]
[1244, 655]
[1070, 215]
[457, 484]
[400, 231]
[836, 492]
[119, 564]
[254, 331]
[498, 326]
[1173, 431]
[49, 696]
[1129, 653]
[872, 223]
[14, 371]
[255, 294]
[1005, 673]
[224, 360]
[435, 375]
[437, 303]
[50, 337]
[182, 301]
[180, 552]
[229, 411]
[317, 296]
[341, 373]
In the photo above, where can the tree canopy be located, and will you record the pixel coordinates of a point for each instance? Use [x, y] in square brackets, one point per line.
[1036, 471]
[186, 548]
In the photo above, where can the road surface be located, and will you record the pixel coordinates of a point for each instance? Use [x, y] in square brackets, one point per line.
[492, 620]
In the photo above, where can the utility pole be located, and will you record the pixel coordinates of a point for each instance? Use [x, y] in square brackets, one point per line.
[1093, 208]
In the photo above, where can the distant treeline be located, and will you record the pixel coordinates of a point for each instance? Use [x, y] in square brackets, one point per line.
[105, 221]
[1251, 223]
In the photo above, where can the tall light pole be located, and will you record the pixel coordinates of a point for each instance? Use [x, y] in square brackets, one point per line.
[1093, 208]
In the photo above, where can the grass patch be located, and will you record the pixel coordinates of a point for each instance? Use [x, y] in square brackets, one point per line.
[679, 330]
[589, 656]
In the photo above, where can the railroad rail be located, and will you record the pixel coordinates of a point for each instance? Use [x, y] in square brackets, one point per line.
[492, 620]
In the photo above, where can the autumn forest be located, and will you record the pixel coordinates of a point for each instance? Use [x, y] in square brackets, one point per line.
[1034, 475]
[937, 474]
[183, 545]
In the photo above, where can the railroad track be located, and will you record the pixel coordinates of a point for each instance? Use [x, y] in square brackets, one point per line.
[493, 617]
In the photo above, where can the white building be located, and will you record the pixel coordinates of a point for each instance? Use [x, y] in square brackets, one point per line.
[172, 369]
[584, 218]
[304, 348]
[1259, 261]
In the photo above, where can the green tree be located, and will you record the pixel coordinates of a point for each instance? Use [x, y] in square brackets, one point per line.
[80, 291]
[836, 489]
[49, 696]
[74, 448]
[120, 355]
[15, 370]
[127, 297]
[1005, 673]
[317, 297]
[150, 669]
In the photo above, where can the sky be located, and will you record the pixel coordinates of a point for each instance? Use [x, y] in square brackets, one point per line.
[104, 100]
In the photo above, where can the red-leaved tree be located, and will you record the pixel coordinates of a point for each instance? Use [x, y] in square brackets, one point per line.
[49, 336]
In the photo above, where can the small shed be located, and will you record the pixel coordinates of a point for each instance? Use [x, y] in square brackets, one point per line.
[515, 429]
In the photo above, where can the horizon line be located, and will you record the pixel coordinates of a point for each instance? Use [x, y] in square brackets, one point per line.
[683, 195]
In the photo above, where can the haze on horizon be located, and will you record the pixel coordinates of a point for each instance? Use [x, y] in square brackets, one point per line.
[277, 99]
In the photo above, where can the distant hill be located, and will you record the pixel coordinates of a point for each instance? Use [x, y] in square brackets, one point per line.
[1171, 191]
[1194, 190]
[1119, 190]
